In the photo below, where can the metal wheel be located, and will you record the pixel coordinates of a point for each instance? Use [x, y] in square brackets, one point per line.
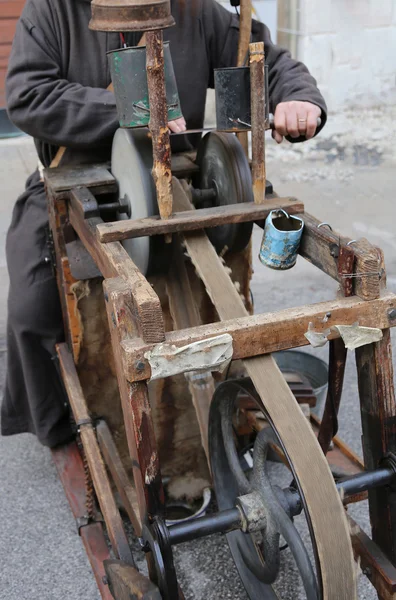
[225, 169]
[131, 165]
[258, 558]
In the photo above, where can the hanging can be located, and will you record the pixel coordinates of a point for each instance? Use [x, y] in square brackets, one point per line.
[233, 98]
[281, 240]
[232, 90]
[129, 77]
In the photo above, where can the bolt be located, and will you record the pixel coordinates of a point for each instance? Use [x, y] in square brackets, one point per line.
[139, 364]
[392, 314]
[105, 580]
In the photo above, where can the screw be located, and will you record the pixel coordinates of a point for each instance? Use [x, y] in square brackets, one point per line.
[392, 313]
[139, 364]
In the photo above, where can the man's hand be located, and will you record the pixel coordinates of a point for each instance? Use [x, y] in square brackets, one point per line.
[178, 125]
[295, 119]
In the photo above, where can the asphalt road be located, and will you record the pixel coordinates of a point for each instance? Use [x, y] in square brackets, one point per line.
[350, 184]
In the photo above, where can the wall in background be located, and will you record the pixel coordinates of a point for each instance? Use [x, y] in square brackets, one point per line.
[348, 45]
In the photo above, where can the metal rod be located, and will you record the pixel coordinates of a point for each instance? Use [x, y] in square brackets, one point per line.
[230, 520]
[351, 486]
[221, 522]
[366, 481]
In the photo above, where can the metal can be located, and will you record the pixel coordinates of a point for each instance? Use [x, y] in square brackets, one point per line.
[129, 77]
[281, 240]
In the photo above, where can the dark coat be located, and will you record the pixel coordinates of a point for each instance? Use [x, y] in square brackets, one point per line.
[58, 71]
[56, 92]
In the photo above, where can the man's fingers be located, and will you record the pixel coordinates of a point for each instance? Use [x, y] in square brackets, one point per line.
[292, 123]
[280, 121]
[277, 136]
[177, 125]
[312, 123]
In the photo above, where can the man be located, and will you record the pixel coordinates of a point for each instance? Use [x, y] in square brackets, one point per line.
[56, 92]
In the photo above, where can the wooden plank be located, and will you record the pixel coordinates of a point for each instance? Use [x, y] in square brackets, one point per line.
[185, 313]
[97, 468]
[57, 211]
[317, 484]
[378, 411]
[195, 219]
[320, 246]
[373, 562]
[120, 477]
[269, 332]
[135, 405]
[126, 583]
[95, 177]
[257, 93]
[162, 170]
[113, 261]
[70, 468]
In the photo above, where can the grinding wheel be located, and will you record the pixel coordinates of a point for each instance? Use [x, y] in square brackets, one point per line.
[131, 164]
[225, 168]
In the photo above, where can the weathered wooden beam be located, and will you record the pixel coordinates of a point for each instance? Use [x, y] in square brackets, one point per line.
[245, 32]
[126, 583]
[162, 170]
[257, 93]
[120, 477]
[194, 219]
[373, 562]
[378, 412]
[113, 261]
[321, 247]
[185, 314]
[95, 177]
[269, 332]
[96, 465]
[139, 426]
[70, 468]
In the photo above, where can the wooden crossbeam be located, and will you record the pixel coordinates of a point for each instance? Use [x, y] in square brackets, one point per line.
[269, 332]
[195, 219]
[321, 247]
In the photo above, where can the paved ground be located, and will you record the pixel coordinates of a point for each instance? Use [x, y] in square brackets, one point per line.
[346, 179]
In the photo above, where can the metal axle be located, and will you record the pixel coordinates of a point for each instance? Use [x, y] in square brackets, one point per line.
[230, 520]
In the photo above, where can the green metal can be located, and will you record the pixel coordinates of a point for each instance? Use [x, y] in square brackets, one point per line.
[129, 77]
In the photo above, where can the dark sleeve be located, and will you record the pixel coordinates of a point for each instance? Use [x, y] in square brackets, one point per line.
[42, 103]
[289, 79]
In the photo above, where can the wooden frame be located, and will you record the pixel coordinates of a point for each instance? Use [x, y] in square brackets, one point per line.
[136, 326]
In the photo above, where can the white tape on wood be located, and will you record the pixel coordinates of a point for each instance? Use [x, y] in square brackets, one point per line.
[213, 354]
[355, 336]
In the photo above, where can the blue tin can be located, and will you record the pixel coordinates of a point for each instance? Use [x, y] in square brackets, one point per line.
[281, 240]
